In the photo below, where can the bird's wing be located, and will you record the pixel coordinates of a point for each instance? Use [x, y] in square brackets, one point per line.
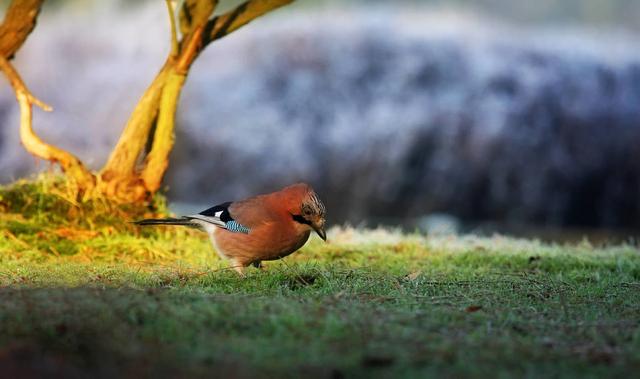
[254, 211]
[220, 216]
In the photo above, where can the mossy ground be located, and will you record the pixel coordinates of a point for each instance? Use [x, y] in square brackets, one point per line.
[83, 292]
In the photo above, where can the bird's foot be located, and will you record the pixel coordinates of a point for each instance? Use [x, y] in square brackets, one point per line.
[239, 268]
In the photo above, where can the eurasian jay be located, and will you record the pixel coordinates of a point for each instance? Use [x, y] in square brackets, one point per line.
[260, 228]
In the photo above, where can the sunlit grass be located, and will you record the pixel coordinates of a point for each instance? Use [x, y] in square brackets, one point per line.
[93, 294]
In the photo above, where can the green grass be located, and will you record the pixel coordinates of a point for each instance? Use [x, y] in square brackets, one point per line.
[99, 297]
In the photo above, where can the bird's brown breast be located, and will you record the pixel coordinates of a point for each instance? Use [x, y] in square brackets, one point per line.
[266, 242]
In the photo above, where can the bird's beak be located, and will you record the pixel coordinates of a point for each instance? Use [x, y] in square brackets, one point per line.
[321, 232]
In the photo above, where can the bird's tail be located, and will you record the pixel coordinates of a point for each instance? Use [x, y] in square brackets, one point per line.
[166, 221]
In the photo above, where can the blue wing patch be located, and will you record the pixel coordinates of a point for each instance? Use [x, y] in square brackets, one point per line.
[234, 226]
[221, 212]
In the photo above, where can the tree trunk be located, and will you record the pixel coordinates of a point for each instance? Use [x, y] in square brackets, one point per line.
[126, 178]
[157, 160]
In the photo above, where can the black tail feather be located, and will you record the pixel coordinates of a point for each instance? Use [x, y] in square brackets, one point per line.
[166, 221]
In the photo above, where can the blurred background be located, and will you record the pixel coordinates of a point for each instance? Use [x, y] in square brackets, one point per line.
[486, 116]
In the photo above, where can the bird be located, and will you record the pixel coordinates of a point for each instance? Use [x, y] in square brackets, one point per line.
[260, 228]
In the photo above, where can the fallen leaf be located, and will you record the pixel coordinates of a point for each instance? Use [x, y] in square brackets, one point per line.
[473, 308]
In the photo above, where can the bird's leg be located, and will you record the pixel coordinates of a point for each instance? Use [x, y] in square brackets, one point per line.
[257, 264]
[238, 266]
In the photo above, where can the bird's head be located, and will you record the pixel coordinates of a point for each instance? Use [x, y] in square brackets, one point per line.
[308, 209]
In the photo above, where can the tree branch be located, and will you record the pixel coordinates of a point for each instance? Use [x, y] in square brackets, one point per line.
[244, 13]
[122, 160]
[174, 31]
[71, 165]
[157, 160]
[195, 13]
[18, 23]
[124, 157]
